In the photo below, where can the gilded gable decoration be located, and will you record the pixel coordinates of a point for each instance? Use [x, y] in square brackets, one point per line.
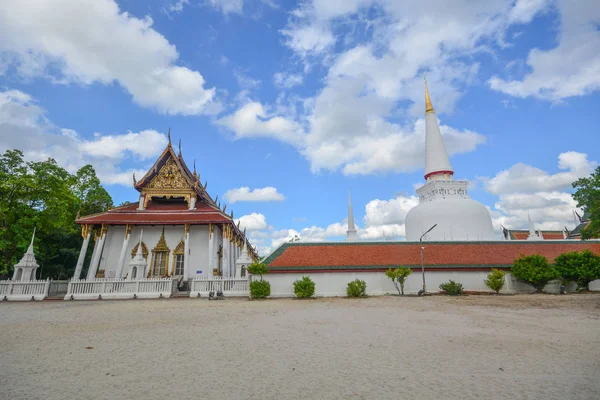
[144, 250]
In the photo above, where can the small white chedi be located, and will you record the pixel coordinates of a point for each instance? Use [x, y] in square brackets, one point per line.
[26, 269]
[442, 200]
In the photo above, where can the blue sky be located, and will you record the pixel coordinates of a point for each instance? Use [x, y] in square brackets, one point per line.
[285, 106]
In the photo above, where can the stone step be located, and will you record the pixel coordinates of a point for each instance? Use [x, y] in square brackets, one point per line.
[181, 294]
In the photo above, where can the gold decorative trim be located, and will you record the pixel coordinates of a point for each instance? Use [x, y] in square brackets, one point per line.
[103, 230]
[186, 229]
[144, 250]
[86, 230]
[179, 251]
[211, 229]
[161, 247]
[128, 229]
[428, 105]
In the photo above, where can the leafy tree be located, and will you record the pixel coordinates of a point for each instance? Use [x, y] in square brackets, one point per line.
[46, 196]
[304, 288]
[398, 277]
[579, 267]
[495, 280]
[534, 270]
[258, 268]
[587, 196]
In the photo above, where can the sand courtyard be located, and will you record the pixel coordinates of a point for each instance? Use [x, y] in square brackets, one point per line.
[505, 347]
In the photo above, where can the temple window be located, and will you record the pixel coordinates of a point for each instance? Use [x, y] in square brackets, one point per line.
[178, 259]
[160, 258]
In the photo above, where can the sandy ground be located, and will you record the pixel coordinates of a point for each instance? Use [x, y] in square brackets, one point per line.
[506, 347]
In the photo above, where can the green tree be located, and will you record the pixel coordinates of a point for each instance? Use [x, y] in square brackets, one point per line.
[495, 280]
[357, 288]
[46, 196]
[258, 268]
[587, 196]
[398, 277]
[534, 270]
[579, 267]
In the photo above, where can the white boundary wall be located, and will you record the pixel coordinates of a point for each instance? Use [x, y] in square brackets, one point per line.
[81, 289]
[22, 291]
[232, 287]
[329, 284]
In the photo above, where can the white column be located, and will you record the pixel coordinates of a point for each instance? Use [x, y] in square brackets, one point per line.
[232, 258]
[211, 249]
[82, 252]
[226, 256]
[94, 252]
[186, 252]
[123, 254]
[96, 261]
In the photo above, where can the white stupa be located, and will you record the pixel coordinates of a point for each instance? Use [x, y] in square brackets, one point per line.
[442, 200]
[26, 269]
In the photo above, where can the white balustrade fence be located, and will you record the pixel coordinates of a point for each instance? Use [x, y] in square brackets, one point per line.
[233, 287]
[82, 289]
[20, 291]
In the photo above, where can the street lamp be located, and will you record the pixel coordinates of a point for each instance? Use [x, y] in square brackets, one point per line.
[421, 246]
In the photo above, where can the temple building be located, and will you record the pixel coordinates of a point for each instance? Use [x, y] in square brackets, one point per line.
[444, 202]
[175, 226]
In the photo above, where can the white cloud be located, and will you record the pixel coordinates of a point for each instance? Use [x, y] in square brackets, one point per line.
[177, 6]
[245, 194]
[523, 178]
[252, 222]
[524, 190]
[70, 41]
[228, 6]
[524, 10]
[252, 120]
[287, 81]
[309, 39]
[570, 69]
[24, 126]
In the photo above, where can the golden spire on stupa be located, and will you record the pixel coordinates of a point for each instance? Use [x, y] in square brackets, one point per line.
[428, 105]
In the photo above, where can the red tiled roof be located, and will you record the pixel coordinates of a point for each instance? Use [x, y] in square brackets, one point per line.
[379, 256]
[524, 234]
[157, 213]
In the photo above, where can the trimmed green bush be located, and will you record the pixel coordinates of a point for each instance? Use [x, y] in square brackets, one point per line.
[304, 288]
[260, 289]
[579, 267]
[534, 270]
[398, 277]
[452, 288]
[495, 280]
[357, 288]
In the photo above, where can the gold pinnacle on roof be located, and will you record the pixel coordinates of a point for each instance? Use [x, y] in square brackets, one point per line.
[428, 106]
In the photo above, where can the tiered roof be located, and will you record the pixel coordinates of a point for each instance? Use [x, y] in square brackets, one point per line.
[523, 234]
[379, 256]
[171, 194]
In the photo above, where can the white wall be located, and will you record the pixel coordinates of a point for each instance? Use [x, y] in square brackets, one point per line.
[198, 257]
[335, 283]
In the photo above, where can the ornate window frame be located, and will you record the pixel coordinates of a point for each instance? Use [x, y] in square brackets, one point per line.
[179, 251]
[161, 247]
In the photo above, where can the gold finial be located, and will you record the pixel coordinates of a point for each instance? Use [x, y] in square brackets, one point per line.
[428, 106]
[169, 136]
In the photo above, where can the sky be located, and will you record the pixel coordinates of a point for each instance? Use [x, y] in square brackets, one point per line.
[288, 106]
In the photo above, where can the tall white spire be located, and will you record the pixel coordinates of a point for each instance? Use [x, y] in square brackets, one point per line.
[351, 234]
[532, 234]
[437, 163]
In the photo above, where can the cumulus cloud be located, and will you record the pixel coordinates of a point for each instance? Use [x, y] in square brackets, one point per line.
[287, 81]
[252, 121]
[572, 68]
[252, 222]
[524, 191]
[527, 179]
[244, 193]
[24, 126]
[69, 41]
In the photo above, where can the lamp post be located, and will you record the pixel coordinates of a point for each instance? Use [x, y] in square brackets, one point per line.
[422, 262]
